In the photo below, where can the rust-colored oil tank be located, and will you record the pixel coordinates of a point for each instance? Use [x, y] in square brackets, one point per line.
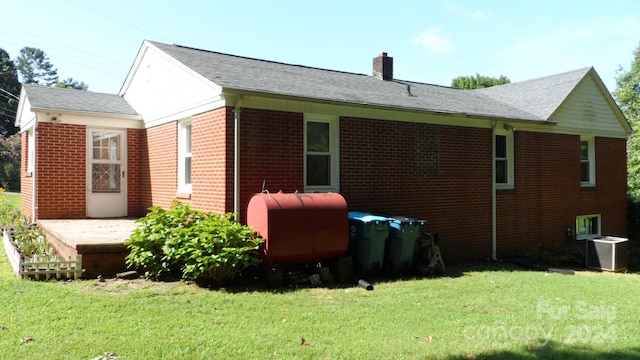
[300, 227]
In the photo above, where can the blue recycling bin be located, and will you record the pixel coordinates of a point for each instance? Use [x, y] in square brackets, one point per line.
[401, 243]
[367, 238]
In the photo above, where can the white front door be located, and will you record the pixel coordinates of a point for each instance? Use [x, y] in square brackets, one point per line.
[106, 173]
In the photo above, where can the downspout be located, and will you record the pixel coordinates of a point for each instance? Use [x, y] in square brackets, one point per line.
[34, 183]
[494, 251]
[236, 157]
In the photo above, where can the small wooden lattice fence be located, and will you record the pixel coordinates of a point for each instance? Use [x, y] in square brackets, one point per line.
[40, 267]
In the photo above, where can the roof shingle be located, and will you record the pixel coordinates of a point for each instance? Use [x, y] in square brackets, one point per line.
[63, 99]
[247, 74]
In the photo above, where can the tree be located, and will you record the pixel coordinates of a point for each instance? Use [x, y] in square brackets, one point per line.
[72, 84]
[9, 92]
[34, 67]
[627, 95]
[478, 81]
[10, 162]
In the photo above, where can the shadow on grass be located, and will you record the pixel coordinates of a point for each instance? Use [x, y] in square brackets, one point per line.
[254, 279]
[556, 350]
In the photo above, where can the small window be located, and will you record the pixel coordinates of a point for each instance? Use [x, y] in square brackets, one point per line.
[31, 147]
[587, 161]
[321, 153]
[504, 167]
[184, 157]
[587, 227]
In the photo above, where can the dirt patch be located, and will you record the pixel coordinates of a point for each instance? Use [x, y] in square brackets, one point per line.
[124, 286]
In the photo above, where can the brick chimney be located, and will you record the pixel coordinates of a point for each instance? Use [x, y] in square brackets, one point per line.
[383, 66]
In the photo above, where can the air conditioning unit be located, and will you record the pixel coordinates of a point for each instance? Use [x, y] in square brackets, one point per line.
[607, 253]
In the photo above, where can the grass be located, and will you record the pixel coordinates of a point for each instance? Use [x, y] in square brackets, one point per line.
[479, 312]
[486, 311]
[12, 198]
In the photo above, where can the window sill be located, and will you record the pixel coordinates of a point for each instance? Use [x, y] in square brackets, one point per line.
[28, 174]
[184, 196]
[505, 187]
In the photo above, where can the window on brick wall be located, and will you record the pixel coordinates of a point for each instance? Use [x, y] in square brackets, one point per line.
[321, 153]
[31, 153]
[504, 159]
[184, 156]
[587, 161]
[587, 226]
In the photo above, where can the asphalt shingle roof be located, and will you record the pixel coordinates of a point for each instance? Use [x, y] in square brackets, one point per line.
[241, 73]
[63, 99]
[540, 97]
[533, 100]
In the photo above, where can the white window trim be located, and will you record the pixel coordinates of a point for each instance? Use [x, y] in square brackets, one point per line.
[590, 235]
[510, 160]
[183, 188]
[591, 141]
[31, 146]
[333, 151]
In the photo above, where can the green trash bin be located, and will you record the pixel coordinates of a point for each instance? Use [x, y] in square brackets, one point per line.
[367, 237]
[401, 243]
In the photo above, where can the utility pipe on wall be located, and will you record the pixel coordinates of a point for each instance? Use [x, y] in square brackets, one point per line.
[494, 251]
[34, 174]
[236, 157]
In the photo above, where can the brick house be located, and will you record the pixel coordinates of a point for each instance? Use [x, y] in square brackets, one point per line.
[491, 170]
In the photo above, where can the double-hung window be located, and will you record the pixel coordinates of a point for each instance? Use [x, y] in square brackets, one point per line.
[587, 161]
[31, 149]
[184, 156]
[504, 168]
[321, 153]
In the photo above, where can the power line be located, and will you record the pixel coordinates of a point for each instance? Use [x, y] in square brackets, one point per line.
[6, 109]
[117, 20]
[7, 115]
[10, 94]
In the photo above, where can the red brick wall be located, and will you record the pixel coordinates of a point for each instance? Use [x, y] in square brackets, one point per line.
[433, 172]
[443, 174]
[548, 196]
[611, 182]
[271, 152]
[162, 153]
[424, 171]
[26, 179]
[137, 178]
[212, 161]
[61, 173]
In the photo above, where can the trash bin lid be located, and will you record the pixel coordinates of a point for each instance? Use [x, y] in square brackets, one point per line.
[366, 217]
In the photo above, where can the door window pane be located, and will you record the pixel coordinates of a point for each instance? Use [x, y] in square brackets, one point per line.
[105, 178]
[106, 146]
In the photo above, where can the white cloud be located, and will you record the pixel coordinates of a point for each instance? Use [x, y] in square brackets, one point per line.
[432, 41]
[475, 14]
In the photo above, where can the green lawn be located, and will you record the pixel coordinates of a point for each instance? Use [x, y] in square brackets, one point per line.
[12, 198]
[479, 312]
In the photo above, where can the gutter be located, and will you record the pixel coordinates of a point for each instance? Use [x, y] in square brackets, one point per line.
[236, 156]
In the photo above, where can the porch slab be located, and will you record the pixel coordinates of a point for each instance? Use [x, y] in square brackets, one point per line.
[99, 241]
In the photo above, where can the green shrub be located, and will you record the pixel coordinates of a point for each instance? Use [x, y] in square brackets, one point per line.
[27, 238]
[192, 244]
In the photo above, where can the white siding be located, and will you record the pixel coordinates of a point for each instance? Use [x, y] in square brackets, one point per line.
[162, 90]
[586, 111]
[26, 118]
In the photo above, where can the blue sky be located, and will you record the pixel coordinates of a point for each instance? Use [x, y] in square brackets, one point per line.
[431, 41]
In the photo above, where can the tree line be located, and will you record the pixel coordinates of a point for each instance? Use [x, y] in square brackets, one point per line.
[31, 66]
